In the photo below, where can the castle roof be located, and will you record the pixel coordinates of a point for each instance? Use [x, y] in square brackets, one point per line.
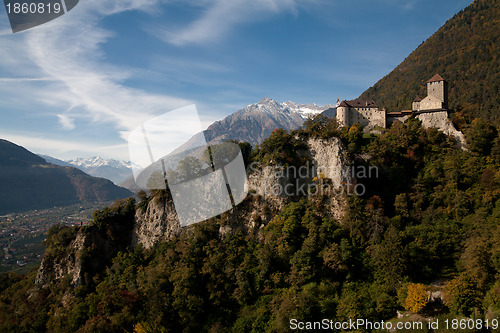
[359, 103]
[435, 78]
[417, 99]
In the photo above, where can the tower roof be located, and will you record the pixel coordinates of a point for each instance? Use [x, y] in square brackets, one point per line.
[436, 78]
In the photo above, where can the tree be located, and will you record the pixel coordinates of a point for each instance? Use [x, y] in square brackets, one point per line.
[416, 297]
[280, 148]
[481, 136]
[321, 126]
[187, 169]
[462, 295]
[388, 259]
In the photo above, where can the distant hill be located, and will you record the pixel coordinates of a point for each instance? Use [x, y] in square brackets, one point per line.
[55, 161]
[465, 52]
[29, 182]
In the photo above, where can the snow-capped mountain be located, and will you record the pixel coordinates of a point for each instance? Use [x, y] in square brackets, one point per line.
[306, 110]
[55, 161]
[256, 122]
[96, 162]
[116, 171]
[252, 124]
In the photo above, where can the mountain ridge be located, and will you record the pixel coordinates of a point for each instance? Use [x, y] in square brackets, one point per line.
[96, 166]
[27, 182]
[256, 121]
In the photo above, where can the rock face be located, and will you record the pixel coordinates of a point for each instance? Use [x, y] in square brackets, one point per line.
[441, 121]
[269, 182]
[330, 159]
[89, 251]
[270, 188]
[158, 222]
[278, 185]
[53, 268]
[78, 253]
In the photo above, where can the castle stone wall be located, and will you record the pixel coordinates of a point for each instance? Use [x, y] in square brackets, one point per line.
[430, 103]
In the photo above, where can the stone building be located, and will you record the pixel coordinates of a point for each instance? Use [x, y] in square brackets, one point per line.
[363, 112]
[432, 111]
[367, 114]
[437, 95]
[436, 102]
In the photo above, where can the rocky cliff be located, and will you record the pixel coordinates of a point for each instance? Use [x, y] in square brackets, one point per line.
[89, 252]
[78, 253]
[158, 222]
[55, 267]
[270, 188]
[91, 248]
[441, 121]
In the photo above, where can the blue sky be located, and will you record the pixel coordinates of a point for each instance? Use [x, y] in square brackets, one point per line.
[76, 86]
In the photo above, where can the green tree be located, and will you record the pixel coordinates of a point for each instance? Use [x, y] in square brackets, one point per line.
[481, 136]
[462, 296]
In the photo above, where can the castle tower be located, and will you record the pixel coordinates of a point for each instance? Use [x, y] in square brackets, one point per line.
[438, 87]
[343, 114]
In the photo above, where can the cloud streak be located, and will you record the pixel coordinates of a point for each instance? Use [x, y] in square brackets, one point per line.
[222, 16]
[65, 149]
[23, 79]
[66, 122]
[67, 53]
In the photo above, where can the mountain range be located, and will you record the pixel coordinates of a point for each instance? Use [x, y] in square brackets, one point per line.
[27, 182]
[116, 171]
[251, 124]
[256, 122]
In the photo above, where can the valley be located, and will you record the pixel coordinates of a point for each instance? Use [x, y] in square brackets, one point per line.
[22, 234]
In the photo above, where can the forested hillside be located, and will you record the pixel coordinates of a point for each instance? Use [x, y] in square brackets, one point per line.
[465, 51]
[430, 215]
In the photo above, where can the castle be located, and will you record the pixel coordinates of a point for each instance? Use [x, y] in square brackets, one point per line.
[363, 112]
[367, 114]
[437, 96]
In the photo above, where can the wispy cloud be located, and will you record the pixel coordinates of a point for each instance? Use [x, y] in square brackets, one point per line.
[24, 79]
[222, 16]
[67, 52]
[66, 122]
[404, 4]
[65, 149]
